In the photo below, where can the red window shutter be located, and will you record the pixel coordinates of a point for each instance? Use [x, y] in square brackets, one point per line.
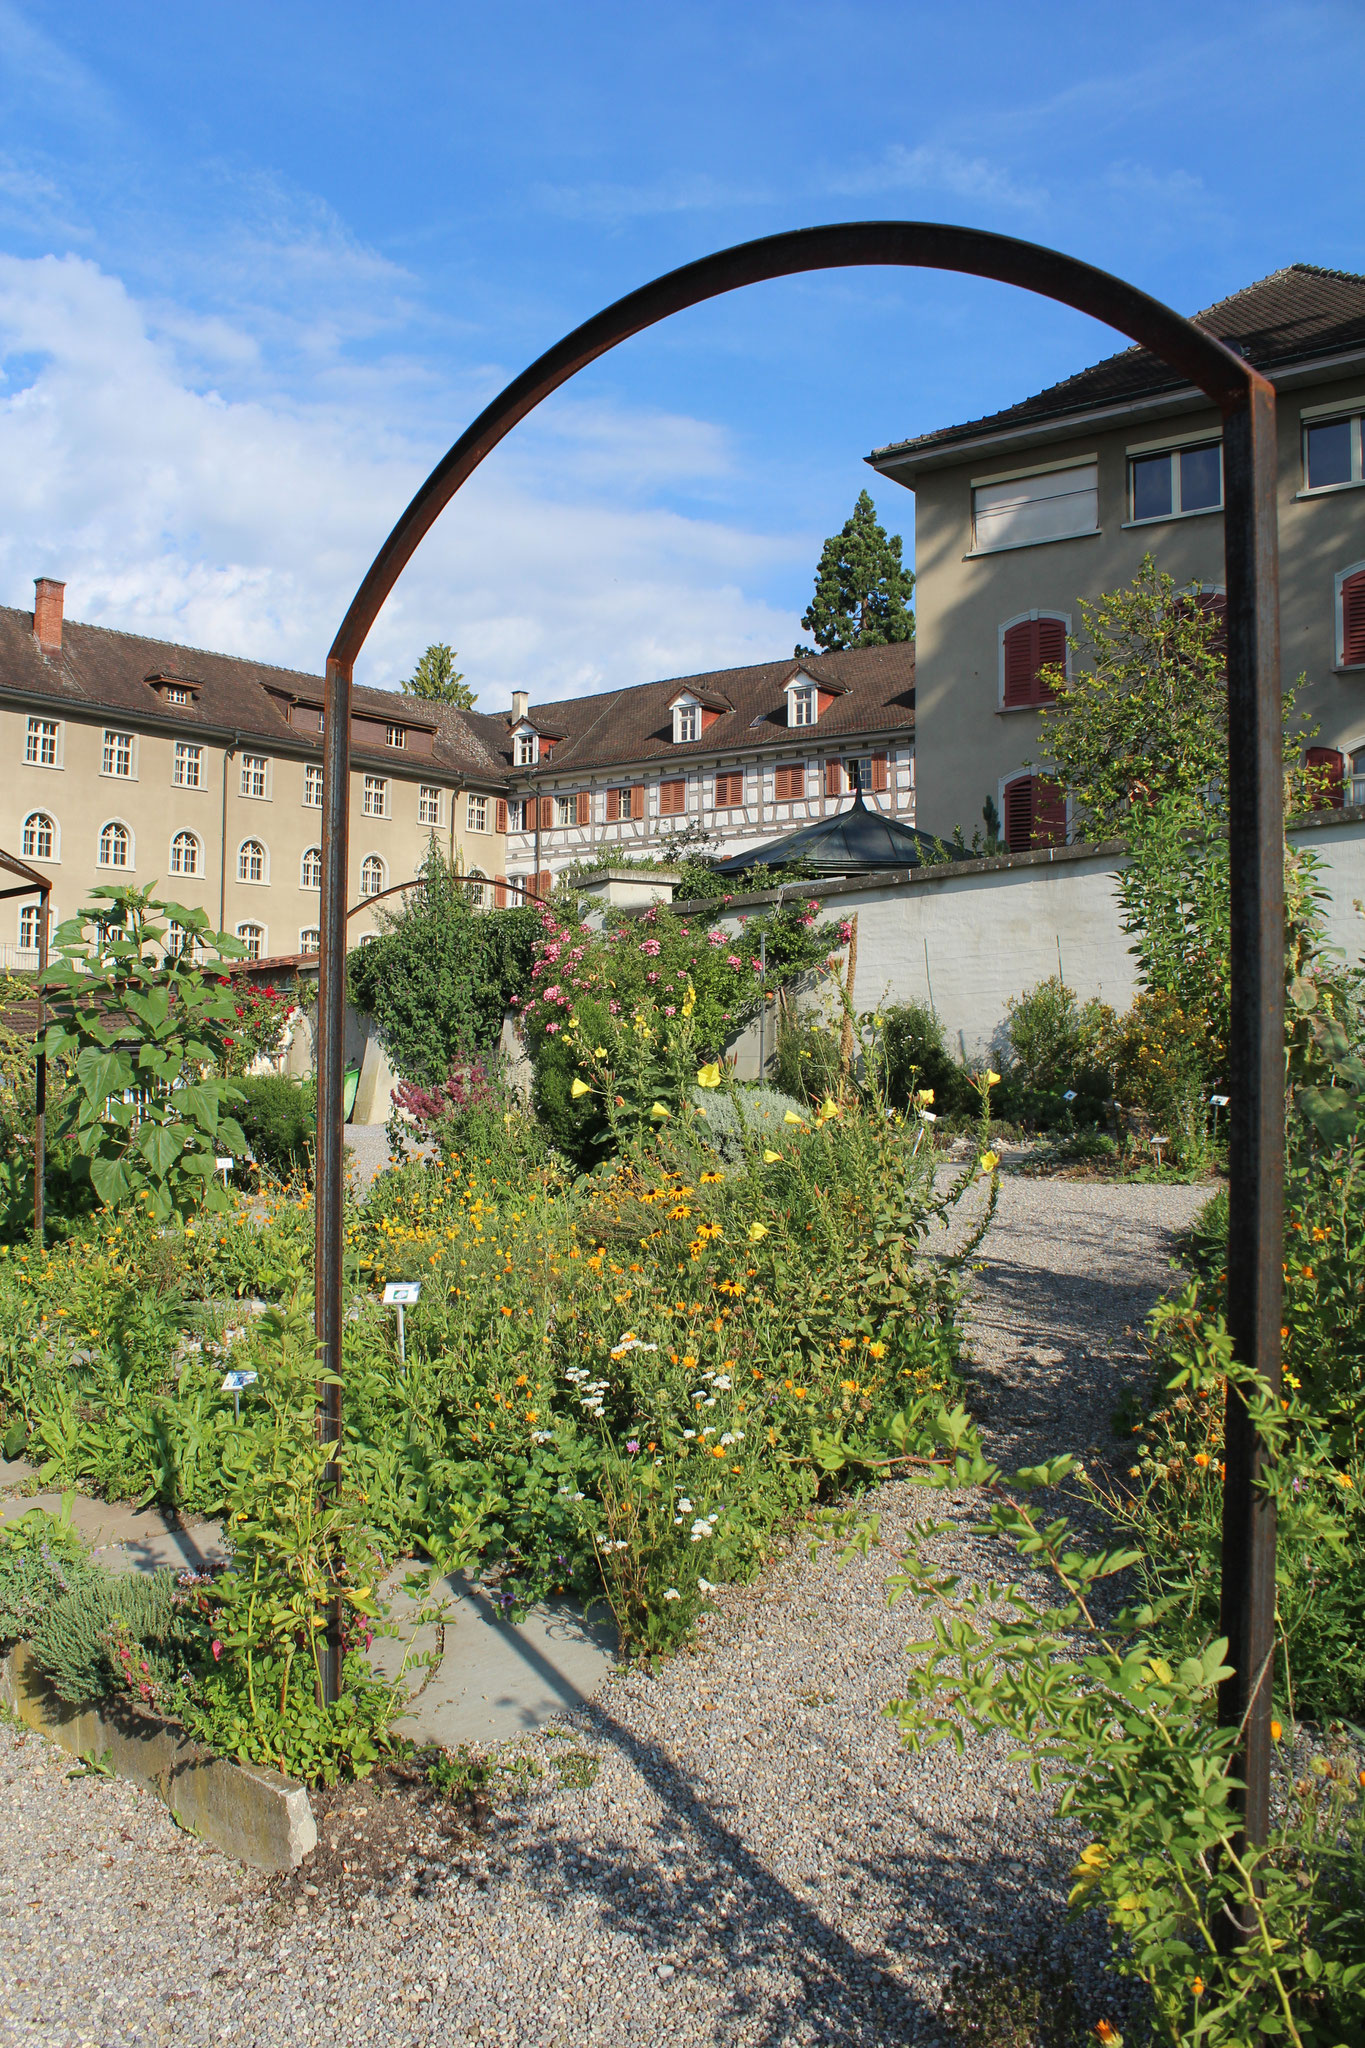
[672, 799]
[1329, 779]
[544, 884]
[500, 815]
[613, 805]
[878, 771]
[834, 779]
[547, 813]
[789, 784]
[500, 893]
[1019, 814]
[1049, 813]
[637, 801]
[1353, 621]
[1030, 646]
[1051, 654]
[584, 807]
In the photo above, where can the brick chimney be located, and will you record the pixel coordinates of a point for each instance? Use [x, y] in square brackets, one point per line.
[521, 700]
[48, 599]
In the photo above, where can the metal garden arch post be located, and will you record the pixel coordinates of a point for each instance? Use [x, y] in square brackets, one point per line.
[1255, 811]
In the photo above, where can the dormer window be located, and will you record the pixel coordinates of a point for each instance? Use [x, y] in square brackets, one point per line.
[802, 705]
[396, 735]
[686, 722]
[527, 747]
[177, 693]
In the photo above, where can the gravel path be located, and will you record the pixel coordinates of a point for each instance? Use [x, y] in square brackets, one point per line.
[757, 1861]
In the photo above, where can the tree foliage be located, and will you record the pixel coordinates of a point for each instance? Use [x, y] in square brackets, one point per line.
[438, 680]
[862, 589]
[438, 980]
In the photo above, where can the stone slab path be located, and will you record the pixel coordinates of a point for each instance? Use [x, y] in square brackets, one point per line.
[757, 1859]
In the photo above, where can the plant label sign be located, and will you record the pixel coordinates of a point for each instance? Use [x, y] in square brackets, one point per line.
[235, 1381]
[401, 1293]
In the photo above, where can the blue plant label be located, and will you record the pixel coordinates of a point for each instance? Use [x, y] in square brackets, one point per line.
[235, 1381]
[401, 1293]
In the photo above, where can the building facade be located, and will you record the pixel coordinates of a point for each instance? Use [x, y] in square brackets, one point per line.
[132, 760]
[1019, 515]
[742, 755]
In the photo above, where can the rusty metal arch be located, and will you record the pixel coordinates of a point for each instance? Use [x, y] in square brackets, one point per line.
[1255, 807]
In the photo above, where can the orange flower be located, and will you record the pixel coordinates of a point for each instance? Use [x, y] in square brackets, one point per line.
[1276, 1731]
[1201, 1457]
[1105, 2032]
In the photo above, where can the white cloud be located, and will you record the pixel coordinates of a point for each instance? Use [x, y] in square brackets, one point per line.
[243, 520]
[610, 204]
[932, 167]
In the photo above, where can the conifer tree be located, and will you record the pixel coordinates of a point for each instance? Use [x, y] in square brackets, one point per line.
[862, 589]
[438, 680]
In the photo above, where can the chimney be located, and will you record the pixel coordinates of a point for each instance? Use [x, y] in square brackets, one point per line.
[521, 699]
[48, 597]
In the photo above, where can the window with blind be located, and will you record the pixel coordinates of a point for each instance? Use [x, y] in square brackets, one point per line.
[623, 804]
[729, 789]
[1027, 647]
[789, 784]
[1035, 814]
[1021, 511]
[1351, 617]
[672, 799]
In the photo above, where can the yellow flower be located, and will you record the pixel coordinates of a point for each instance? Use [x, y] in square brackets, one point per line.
[599, 1052]
[771, 1158]
[1201, 1458]
[757, 1231]
[658, 1113]
[689, 1001]
[792, 1118]
[924, 1096]
[709, 1076]
[989, 1162]
[991, 1078]
[580, 1087]
[876, 1350]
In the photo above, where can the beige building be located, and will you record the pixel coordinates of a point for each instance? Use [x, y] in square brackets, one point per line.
[1059, 497]
[132, 760]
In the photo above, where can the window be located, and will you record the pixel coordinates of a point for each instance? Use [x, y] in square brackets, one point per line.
[310, 940]
[1035, 814]
[1019, 511]
[310, 875]
[116, 845]
[520, 814]
[478, 891]
[118, 753]
[476, 813]
[1351, 617]
[177, 693]
[869, 774]
[375, 803]
[312, 788]
[252, 937]
[40, 746]
[789, 784]
[1176, 482]
[672, 799]
[40, 836]
[30, 926]
[255, 775]
[686, 723]
[371, 875]
[188, 772]
[624, 803]
[729, 789]
[429, 804]
[802, 705]
[1027, 647]
[1358, 776]
[186, 858]
[180, 944]
[1324, 778]
[566, 810]
[396, 735]
[368, 938]
[1332, 453]
[528, 749]
[251, 862]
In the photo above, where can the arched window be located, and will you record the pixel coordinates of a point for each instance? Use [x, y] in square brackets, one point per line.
[310, 940]
[40, 836]
[1035, 814]
[116, 845]
[186, 855]
[1028, 645]
[1325, 777]
[312, 868]
[1351, 617]
[371, 875]
[181, 944]
[251, 861]
[478, 894]
[252, 937]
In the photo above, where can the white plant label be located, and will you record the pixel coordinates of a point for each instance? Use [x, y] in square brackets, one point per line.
[401, 1293]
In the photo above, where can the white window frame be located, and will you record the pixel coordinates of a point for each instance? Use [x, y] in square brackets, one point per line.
[177, 693]
[803, 705]
[478, 887]
[261, 881]
[112, 867]
[566, 810]
[196, 842]
[686, 722]
[188, 754]
[308, 854]
[375, 786]
[249, 924]
[1181, 445]
[475, 812]
[1074, 464]
[382, 865]
[1350, 409]
[30, 914]
[526, 746]
[48, 860]
[36, 731]
[312, 779]
[429, 803]
[250, 762]
[110, 750]
[396, 736]
[1342, 577]
[307, 933]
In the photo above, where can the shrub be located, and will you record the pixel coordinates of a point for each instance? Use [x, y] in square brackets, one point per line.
[279, 1117]
[916, 1057]
[111, 1632]
[472, 1116]
[41, 1560]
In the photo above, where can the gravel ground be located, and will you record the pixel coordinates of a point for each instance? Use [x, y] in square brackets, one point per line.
[757, 1859]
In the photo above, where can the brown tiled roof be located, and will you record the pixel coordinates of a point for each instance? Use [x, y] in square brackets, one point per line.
[106, 673]
[875, 693]
[1293, 317]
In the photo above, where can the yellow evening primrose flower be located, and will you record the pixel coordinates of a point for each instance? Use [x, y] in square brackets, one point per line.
[709, 1076]
[991, 1078]
[658, 1113]
[757, 1231]
[771, 1158]
[599, 1052]
[689, 1001]
[924, 1096]
[989, 1162]
[580, 1087]
[792, 1118]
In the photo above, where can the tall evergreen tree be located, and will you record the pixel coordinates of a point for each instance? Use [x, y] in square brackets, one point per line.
[438, 680]
[862, 590]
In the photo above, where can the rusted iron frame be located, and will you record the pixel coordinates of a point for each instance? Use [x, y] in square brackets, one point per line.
[33, 883]
[1246, 401]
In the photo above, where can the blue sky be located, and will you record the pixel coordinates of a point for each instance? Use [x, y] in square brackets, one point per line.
[260, 265]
